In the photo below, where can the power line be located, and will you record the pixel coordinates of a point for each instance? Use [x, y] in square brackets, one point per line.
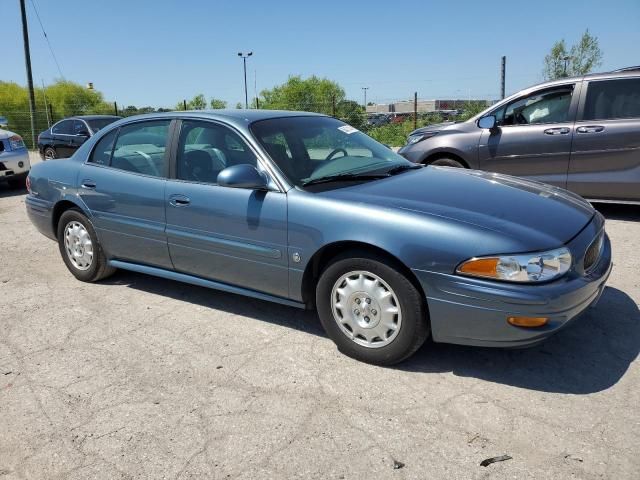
[47, 38]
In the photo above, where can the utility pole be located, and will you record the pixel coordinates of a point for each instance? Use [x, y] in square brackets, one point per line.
[184, 104]
[503, 75]
[27, 61]
[364, 89]
[415, 110]
[244, 62]
[566, 61]
[115, 108]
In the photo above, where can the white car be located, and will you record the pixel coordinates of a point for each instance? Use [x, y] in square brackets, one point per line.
[14, 159]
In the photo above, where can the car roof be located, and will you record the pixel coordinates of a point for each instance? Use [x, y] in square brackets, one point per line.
[244, 117]
[93, 117]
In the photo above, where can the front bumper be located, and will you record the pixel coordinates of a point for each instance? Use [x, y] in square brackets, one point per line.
[471, 311]
[14, 164]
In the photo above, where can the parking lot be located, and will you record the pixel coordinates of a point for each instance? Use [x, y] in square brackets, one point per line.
[140, 377]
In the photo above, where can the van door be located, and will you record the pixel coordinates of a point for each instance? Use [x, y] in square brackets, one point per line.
[605, 158]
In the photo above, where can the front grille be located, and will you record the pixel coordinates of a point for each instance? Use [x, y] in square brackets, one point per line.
[593, 252]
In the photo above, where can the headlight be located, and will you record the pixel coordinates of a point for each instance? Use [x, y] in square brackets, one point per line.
[15, 141]
[418, 137]
[528, 267]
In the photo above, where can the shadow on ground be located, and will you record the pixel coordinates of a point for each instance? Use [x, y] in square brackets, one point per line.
[619, 212]
[6, 191]
[589, 356]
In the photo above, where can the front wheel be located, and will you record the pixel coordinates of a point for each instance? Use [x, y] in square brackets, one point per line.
[447, 162]
[50, 153]
[80, 249]
[372, 311]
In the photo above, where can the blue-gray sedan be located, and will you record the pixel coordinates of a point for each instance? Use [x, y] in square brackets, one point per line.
[305, 210]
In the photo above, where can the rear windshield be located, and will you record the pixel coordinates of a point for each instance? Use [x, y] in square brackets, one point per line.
[99, 123]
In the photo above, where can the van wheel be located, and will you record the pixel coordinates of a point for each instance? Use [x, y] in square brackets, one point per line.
[371, 310]
[80, 249]
[447, 162]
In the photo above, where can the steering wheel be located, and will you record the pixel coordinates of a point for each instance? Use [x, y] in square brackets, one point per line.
[333, 152]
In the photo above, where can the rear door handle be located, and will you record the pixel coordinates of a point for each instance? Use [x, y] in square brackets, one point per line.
[179, 200]
[590, 129]
[557, 131]
[88, 184]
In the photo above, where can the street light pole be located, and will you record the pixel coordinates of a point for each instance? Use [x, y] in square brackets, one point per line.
[244, 62]
[566, 60]
[27, 61]
[364, 89]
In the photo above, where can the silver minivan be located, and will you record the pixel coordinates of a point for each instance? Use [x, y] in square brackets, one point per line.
[582, 134]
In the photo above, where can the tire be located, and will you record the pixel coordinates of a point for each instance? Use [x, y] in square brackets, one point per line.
[50, 153]
[411, 319]
[447, 162]
[84, 270]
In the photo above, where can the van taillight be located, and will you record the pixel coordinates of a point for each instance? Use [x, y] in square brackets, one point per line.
[28, 182]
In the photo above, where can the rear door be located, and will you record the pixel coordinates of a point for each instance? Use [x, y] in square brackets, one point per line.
[533, 137]
[123, 185]
[605, 159]
[232, 235]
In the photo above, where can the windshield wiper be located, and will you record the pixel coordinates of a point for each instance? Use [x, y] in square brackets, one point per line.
[402, 168]
[345, 176]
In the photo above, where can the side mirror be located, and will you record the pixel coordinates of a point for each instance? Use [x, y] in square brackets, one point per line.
[82, 133]
[243, 176]
[488, 122]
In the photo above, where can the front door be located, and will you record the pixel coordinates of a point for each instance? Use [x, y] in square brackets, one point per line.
[123, 185]
[61, 134]
[231, 235]
[605, 158]
[533, 136]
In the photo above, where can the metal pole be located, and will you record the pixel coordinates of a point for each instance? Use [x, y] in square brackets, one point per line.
[364, 89]
[115, 108]
[27, 61]
[246, 97]
[503, 75]
[333, 105]
[184, 104]
[415, 110]
[46, 108]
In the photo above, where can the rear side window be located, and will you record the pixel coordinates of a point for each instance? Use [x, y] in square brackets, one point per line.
[102, 151]
[610, 99]
[140, 148]
[63, 128]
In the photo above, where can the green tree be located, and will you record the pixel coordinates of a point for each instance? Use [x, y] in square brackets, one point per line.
[199, 102]
[580, 59]
[216, 103]
[312, 94]
[239, 106]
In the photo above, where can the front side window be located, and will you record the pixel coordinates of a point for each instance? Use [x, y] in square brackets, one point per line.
[63, 128]
[610, 99]
[307, 149]
[79, 127]
[205, 149]
[140, 148]
[548, 106]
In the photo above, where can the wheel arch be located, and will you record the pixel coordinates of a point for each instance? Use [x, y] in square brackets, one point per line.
[59, 208]
[321, 258]
[444, 154]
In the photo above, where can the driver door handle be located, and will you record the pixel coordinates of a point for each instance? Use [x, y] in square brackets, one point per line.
[557, 131]
[178, 200]
[88, 184]
[590, 129]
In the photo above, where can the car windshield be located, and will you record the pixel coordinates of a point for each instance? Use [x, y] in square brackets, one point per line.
[98, 123]
[310, 149]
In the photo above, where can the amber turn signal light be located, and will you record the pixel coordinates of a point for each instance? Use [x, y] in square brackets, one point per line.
[529, 322]
[482, 267]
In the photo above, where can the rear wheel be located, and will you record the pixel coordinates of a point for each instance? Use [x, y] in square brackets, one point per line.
[80, 249]
[50, 153]
[447, 162]
[371, 310]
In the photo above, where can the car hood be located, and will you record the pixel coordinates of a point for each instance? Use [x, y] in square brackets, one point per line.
[537, 215]
[435, 127]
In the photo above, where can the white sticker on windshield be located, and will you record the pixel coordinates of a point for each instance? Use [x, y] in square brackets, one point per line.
[348, 129]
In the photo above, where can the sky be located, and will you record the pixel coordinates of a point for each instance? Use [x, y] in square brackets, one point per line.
[156, 53]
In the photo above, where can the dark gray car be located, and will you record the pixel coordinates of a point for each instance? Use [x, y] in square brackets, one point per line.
[582, 134]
